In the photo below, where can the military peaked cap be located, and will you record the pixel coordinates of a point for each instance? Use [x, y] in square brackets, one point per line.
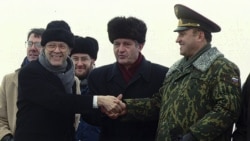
[189, 18]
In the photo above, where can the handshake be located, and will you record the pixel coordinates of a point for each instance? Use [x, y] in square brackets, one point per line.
[112, 106]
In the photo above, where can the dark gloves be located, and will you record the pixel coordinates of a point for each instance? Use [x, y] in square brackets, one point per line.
[8, 137]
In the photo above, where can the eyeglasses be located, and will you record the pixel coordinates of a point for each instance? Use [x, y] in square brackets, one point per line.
[53, 46]
[29, 44]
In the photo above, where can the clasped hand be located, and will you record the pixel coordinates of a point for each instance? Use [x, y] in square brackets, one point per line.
[112, 106]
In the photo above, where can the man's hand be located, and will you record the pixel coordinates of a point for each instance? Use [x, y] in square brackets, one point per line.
[113, 114]
[111, 103]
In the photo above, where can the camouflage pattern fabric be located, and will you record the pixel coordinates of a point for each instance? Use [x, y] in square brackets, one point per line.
[202, 98]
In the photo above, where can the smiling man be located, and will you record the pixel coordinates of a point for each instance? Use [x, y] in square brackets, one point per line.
[84, 55]
[47, 102]
[200, 98]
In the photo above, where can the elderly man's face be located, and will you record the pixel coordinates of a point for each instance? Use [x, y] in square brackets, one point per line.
[126, 51]
[56, 52]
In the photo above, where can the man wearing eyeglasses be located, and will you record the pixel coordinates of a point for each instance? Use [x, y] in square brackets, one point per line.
[33, 48]
[8, 89]
[46, 101]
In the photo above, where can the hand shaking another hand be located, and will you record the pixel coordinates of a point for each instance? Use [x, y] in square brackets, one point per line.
[112, 106]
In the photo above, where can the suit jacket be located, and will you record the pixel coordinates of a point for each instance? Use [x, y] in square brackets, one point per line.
[45, 111]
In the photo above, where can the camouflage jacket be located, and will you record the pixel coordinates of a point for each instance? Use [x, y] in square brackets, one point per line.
[203, 98]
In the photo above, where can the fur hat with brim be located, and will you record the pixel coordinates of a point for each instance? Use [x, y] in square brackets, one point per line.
[58, 31]
[86, 45]
[129, 28]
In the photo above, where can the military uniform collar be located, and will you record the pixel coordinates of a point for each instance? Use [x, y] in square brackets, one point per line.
[202, 63]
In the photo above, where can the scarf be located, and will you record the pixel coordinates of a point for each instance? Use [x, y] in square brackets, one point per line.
[128, 73]
[64, 72]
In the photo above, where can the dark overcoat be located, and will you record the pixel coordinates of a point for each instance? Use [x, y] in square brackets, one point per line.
[45, 111]
[108, 80]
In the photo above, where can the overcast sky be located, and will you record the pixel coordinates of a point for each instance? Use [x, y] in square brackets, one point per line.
[89, 18]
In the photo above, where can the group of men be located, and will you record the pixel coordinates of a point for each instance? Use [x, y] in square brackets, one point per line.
[198, 98]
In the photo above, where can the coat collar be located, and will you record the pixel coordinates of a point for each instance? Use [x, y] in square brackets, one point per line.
[15, 80]
[202, 63]
[143, 71]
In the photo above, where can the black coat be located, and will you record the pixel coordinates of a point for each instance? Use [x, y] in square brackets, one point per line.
[108, 80]
[45, 111]
[242, 132]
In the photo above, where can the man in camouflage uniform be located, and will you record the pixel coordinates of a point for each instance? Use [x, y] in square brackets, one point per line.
[200, 96]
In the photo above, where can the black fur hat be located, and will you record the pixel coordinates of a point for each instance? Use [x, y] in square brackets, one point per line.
[58, 31]
[131, 28]
[95, 45]
[86, 45]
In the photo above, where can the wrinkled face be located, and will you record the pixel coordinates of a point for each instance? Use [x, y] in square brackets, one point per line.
[33, 47]
[126, 51]
[83, 64]
[188, 41]
[56, 52]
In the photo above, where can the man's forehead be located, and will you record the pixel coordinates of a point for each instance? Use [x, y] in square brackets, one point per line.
[79, 55]
[121, 40]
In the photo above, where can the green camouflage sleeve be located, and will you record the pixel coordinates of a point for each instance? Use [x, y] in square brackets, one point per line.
[143, 109]
[226, 99]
